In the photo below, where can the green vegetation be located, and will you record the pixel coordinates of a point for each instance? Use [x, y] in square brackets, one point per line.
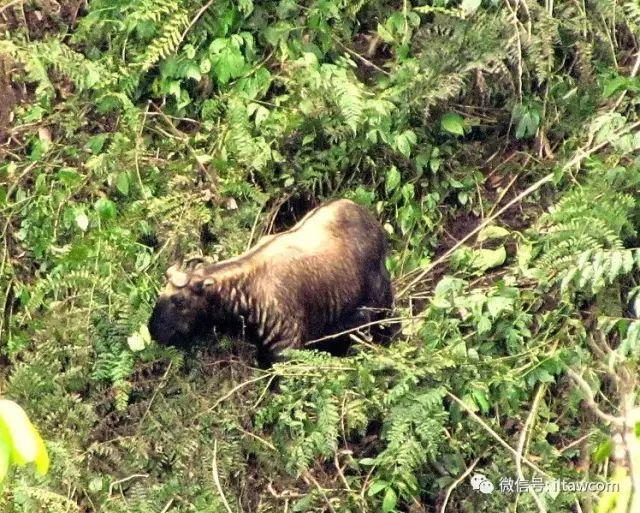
[497, 142]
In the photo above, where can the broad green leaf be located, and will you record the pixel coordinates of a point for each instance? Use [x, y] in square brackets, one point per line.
[452, 123]
[404, 141]
[105, 207]
[140, 339]
[492, 232]
[135, 342]
[122, 183]
[390, 500]
[489, 258]
[498, 304]
[42, 457]
[95, 485]
[96, 143]
[82, 221]
[377, 487]
[384, 34]
[69, 176]
[226, 59]
[392, 179]
[481, 400]
[525, 253]
[603, 451]
[205, 66]
[613, 85]
[470, 6]
[277, 32]
[484, 325]
[528, 125]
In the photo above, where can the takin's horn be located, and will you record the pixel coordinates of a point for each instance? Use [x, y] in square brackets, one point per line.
[177, 278]
[194, 263]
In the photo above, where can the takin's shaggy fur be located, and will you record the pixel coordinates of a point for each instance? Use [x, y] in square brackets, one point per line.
[324, 276]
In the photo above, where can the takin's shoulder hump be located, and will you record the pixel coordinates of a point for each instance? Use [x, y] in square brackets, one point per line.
[330, 214]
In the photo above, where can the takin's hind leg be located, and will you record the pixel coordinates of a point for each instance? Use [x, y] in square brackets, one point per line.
[380, 304]
[339, 339]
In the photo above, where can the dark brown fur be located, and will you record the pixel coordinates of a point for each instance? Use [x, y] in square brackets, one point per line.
[323, 276]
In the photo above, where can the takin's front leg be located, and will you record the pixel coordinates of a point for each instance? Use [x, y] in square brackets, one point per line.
[270, 350]
[380, 304]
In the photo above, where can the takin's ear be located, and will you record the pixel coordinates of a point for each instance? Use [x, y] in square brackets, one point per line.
[199, 285]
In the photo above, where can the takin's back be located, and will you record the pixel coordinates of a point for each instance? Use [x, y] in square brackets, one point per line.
[337, 229]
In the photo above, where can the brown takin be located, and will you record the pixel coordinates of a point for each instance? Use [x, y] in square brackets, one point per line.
[324, 276]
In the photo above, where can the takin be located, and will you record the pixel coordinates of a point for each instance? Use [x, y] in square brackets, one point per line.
[324, 276]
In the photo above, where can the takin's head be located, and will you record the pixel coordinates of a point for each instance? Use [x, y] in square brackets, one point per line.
[182, 312]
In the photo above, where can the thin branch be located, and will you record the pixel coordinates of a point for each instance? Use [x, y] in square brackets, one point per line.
[321, 490]
[589, 397]
[124, 480]
[390, 320]
[216, 477]
[6, 6]
[453, 485]
[495, 435]
[153, 397]
[522, 442]
[231, 392]
[366, 61]
[198, 15]
[167, 505]
[634, 72]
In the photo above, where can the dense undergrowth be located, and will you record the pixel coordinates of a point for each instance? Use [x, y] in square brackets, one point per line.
[496, 141]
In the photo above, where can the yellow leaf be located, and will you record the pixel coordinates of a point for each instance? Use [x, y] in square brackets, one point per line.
[24, 446]
[5, 455]
[20, 438]
[42, 458]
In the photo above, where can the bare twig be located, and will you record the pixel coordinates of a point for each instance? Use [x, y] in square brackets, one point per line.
[216, 477]
[366, 61]
[522, 442]
[233, 391]
[589, 397]
[258, 438]
[390, 320]
[453, 485]
[12, 3]
[194, 20]
[153, 397]
[253, 229]
[321, 490]
[495, 435]
[124, 480]
[167, 505]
